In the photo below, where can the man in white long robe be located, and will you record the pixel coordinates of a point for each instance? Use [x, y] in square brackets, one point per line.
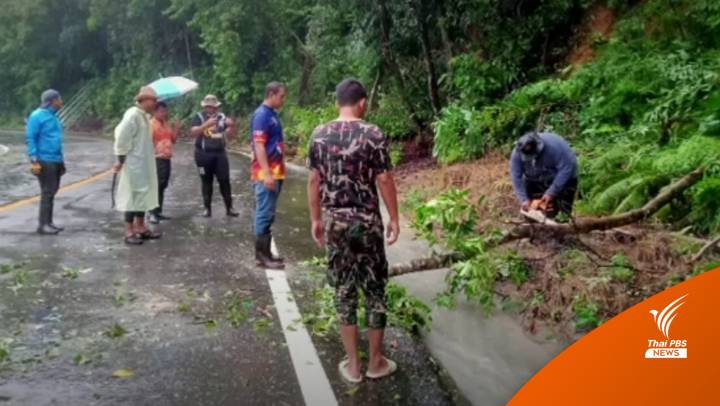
[137, 191]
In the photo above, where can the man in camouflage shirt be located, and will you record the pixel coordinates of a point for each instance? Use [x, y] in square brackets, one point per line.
[348, 159]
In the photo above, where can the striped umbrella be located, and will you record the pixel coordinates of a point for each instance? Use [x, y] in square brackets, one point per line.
[172, 87]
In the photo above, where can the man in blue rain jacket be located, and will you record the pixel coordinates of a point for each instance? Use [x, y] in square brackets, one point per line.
[45, 150]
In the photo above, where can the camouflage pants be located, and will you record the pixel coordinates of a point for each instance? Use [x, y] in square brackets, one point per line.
[356, 260]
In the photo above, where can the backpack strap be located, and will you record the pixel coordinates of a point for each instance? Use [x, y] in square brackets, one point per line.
[202, 139]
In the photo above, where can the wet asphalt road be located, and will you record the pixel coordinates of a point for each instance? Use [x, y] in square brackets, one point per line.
[170, 296]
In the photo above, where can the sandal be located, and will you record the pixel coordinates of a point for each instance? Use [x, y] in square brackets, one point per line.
[134, 239]
[389, 370]
[149, 235]
[343, 368]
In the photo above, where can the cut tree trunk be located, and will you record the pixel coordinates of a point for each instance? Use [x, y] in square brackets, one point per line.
[578, 226]
[372, 101]
[305, 91]
[304, 96]
[385, 29]
[432, 81]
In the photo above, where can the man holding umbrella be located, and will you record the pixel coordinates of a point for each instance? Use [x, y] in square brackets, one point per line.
[138, 186]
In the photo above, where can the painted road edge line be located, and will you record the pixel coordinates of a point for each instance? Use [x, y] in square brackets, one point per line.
[314, 383]
[72, 186]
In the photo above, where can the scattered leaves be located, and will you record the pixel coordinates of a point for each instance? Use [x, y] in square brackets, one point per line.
[238, 310]
[210, 324]
[81, 359]
[71, 273]
[352, 391]
[116, 331]
[262, 326]
[5, 349]
[183, 307]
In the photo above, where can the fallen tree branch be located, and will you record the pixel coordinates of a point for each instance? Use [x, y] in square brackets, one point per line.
[704, 250]
[438, 261]
[586, 225]
[578, 226]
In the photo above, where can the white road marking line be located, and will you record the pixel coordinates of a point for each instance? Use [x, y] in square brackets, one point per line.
[313, 381]
[273, 248]
[4, 149]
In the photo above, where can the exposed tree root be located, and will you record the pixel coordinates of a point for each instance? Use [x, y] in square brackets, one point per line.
[707, 247]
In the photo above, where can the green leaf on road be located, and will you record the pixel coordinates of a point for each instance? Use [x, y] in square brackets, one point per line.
[116, 331]
[210, 324]
[81, 359]
[352, 391]
[71, 273]
[123, 373]
[183, 307]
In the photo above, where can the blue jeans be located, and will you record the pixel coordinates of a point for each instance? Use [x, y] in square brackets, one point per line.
[265, 206]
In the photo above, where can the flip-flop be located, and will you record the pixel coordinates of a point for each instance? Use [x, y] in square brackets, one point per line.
[343, 368]
[134, 239]
[389, 370]
[150, 235]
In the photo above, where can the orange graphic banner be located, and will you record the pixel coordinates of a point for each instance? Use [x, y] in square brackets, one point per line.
[662, 351]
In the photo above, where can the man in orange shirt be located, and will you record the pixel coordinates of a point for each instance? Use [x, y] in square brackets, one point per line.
[164, 136]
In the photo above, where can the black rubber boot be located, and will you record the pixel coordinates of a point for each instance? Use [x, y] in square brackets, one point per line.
[44, 227]
[52, 224]
[47, 230]
[263, 256]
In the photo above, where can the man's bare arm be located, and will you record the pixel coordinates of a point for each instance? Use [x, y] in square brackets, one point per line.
[313, 191]
[388, 191]
[262, 158]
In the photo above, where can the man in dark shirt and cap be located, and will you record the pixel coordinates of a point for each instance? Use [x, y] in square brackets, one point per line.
[544, 173]
[45, 149]
[212, 129]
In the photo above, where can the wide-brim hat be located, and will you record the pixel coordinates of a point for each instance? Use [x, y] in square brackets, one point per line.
[146, 92]
[210, 101]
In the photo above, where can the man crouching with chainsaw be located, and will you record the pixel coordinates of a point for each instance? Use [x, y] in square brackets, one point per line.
[544, 173]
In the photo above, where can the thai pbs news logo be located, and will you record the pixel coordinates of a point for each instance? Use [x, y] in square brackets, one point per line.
[667, 348]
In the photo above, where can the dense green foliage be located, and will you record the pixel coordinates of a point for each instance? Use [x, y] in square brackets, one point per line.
[645, 112]
[476, 72]
[414, 55]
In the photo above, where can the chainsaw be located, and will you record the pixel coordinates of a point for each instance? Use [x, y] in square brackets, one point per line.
[536, 212]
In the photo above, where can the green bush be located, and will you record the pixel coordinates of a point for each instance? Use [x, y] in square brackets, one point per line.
[392, 117]
[587, 313]
[456, 135]
[644, 113]
[477, 82]
[301, 122]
